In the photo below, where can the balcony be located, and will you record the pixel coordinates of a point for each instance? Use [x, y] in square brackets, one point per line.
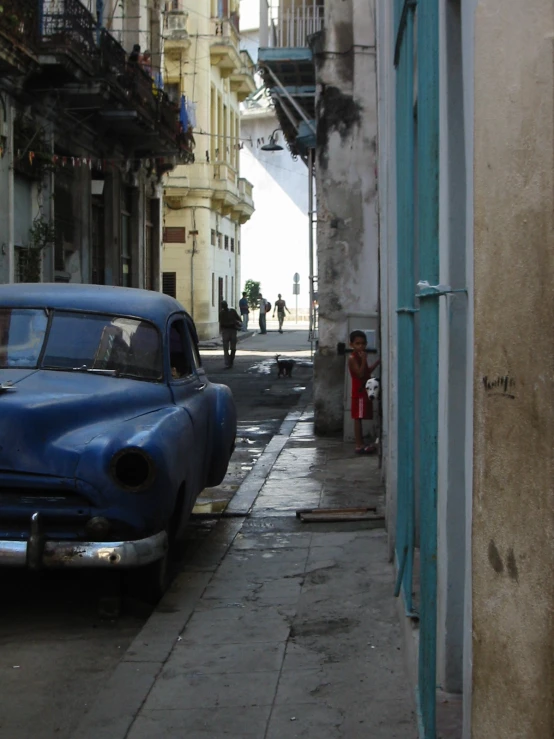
[289, 74]
[243, 210]
[242, 80]
[296, 23]
[176, 33]
[68, 34]
[19, 39]
[224, 51]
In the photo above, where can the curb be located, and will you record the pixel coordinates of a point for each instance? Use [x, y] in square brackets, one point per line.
[114, 711]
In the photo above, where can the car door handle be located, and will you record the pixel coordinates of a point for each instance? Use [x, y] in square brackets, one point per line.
[201, 387]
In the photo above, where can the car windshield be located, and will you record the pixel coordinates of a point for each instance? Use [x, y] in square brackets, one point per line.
[22, 332]
[111, 345]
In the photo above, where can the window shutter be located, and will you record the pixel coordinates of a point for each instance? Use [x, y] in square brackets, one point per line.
[169, 283]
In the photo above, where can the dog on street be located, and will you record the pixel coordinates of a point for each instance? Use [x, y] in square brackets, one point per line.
[284, 366]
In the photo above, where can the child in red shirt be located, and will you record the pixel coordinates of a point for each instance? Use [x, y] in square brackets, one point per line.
[360, 372]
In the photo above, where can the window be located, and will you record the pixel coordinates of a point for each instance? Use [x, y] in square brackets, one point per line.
[213, 290]
[174, 235]
[238, 246]
[219, 240]
[64, 188]
[178, 357]
[169, 283]
[232, 289]
[232, 244]
[213, 237]
[193, 343]
[22, 332]
[171, 89]
[226, 289]
[227, 243]
[111, 345]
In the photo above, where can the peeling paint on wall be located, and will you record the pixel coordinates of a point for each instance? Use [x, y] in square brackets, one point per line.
[336, 111]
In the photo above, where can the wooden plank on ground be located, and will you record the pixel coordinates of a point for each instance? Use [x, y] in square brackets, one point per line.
[326, 515]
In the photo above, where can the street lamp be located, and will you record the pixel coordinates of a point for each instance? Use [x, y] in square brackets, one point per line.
[273, 145]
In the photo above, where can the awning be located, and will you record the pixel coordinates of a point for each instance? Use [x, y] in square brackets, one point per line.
[289, 76]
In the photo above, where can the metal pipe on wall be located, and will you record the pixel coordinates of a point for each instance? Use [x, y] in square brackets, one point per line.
[311, 236]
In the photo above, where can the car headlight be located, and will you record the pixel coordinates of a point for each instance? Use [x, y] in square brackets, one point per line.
[132, 468]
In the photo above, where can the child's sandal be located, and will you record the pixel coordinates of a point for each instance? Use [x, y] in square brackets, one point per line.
[366, 449]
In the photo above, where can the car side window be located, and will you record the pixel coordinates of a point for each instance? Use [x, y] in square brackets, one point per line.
[193, 340]
[179, 361]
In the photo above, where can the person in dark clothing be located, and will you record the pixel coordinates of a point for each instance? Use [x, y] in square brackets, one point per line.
[229, 323]
[134, 56]
[244, 311]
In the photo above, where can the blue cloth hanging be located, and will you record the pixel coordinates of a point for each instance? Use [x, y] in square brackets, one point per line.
[159, 81]
[183, 117]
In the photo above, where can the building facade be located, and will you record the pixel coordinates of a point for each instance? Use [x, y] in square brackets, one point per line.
[206, 202]
[465, 180]
[85, 138]
[320, 69]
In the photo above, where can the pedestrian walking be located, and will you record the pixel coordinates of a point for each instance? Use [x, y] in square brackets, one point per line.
[229, 324]
[244, 311]
[265, 307]
[280, 307]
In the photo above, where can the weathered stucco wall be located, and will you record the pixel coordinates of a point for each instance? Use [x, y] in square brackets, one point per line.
[347, 233]
[513, 507]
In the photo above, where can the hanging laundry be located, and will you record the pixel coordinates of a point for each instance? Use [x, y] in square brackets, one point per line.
[183, 117]
[191, 112]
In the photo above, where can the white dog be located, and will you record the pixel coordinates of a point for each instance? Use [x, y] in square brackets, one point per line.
[373, 388]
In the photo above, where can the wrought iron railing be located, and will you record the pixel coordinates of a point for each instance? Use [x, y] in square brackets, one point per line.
[142, 87]
[168, 114]
[19, 20]
[113, 58]
[68, 25]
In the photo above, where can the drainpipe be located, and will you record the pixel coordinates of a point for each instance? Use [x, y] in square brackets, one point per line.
[193, 233]
[311, 239]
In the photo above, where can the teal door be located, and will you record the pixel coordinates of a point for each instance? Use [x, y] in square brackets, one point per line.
[417, 68]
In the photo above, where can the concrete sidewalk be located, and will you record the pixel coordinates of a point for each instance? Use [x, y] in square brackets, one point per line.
[278, 628]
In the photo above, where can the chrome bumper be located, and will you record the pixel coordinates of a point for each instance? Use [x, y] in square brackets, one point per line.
[38, 553]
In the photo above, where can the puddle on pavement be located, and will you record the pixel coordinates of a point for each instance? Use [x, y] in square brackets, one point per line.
[265, 367]
[251, 430]
[210, 507]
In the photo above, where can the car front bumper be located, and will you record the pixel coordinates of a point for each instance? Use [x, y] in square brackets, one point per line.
[37, 552]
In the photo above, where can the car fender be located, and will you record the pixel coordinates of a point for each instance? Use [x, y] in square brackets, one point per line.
[224, 433]
[162, 435]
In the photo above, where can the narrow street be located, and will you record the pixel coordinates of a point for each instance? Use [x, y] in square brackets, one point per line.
[62, 633]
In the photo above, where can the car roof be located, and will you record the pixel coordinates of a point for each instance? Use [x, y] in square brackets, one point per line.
[126, 301]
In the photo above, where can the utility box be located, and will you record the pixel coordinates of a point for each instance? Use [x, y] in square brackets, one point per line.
[369, 324]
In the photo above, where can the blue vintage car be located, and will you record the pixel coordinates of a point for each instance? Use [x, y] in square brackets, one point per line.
[109, 427]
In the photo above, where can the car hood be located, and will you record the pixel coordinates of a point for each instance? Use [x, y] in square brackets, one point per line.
[49, 417]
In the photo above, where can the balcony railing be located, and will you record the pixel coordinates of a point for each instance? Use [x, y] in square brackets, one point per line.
[297, 22]
[247, 62]
[113, 58]
[227, 30]
[176, 23]
[245, 188]
[19, 21]
[68, 25]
